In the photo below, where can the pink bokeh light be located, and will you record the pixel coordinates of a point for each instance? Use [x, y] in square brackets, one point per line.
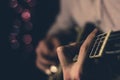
[27, 39]
[26, 15]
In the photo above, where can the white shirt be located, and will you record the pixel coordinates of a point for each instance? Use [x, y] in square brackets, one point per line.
[83, 11]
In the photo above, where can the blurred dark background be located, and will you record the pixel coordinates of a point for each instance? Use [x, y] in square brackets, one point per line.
[18, 63]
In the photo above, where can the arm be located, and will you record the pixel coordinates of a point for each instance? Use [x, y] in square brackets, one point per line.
[63, 22]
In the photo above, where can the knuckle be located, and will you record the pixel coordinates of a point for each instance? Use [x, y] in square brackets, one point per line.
[60, 49]
[83, 46]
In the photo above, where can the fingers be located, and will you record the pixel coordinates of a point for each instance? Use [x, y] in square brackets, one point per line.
[41, 67]
[89, 39]
[42, 48]
[66, 54]
[44, 64]
[70, 69]
[85, 45]
[45, 69]
[45, 57]
[61, 56]
[45, 61]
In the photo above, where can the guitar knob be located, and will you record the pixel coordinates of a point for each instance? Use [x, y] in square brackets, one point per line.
[53, 69]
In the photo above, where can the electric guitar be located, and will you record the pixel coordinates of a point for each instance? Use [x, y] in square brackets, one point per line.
[104, 44]
[103, 61]
[103, 52]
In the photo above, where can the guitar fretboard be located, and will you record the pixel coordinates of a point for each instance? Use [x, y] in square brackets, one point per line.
[100, 43]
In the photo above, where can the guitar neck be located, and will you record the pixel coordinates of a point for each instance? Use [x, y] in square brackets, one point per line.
[107, 43]
[114, 35]
[113, 43]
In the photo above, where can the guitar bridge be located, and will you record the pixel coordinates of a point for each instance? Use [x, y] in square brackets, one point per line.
[99, 45]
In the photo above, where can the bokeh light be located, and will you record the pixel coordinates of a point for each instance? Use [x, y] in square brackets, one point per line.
[53, 69]
[13, 41]
[15, 44]
[27, 39]
[12, 37]
[21, 22]
[26, 15]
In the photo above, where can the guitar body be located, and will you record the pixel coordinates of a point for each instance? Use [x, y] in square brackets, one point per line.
[107, 66]
[104, 68]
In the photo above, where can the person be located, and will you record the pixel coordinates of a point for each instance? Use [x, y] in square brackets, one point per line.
[103, 13]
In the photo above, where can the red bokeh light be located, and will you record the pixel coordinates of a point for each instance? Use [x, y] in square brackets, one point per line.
[27, 39]
[26, 15]
[12, 36]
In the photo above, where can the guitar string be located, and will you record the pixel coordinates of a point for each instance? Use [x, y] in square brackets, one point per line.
[101, 34]
[112, 34]
[93, 47]
[99, 39]
[97, 47]
[113, 37]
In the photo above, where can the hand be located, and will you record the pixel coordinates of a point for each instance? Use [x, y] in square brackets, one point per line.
[46, 54]
[72, 70]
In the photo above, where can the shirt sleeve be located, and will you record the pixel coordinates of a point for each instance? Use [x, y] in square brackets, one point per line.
[63, 21]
